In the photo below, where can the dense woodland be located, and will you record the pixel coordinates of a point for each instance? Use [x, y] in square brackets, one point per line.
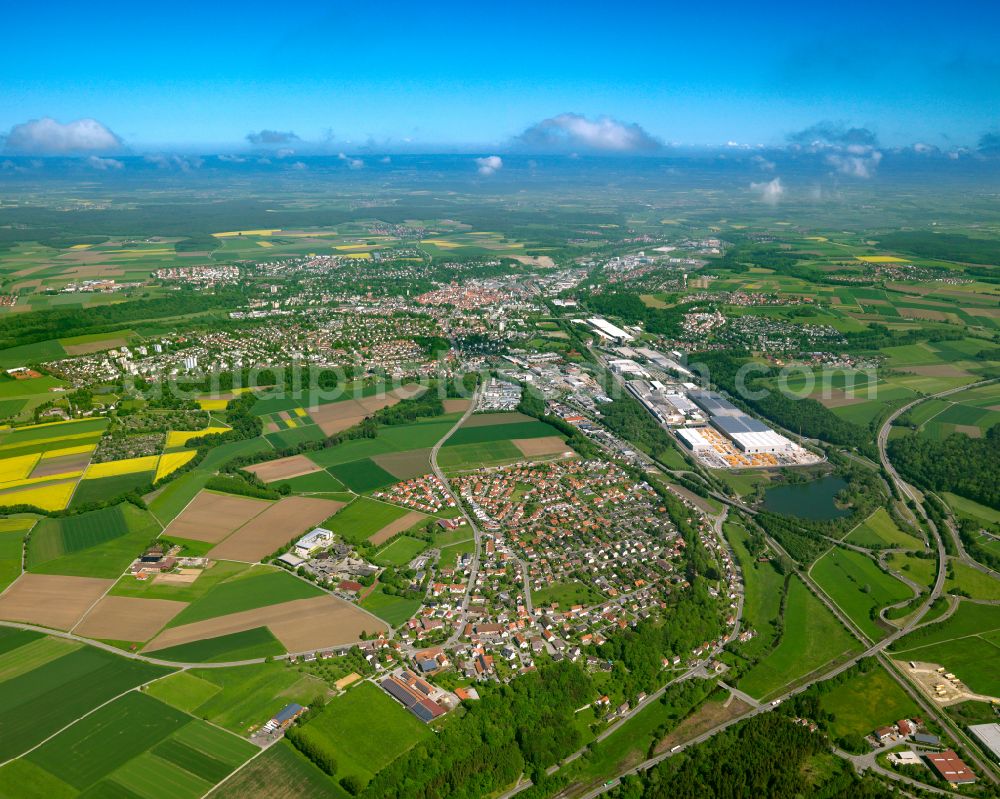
[768, 755]
[969, 467]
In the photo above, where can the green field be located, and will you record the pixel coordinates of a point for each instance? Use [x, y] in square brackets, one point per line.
[858, 587]
[96, 544]
[294, 436]
[317, 482]
[21, 779]
[500, 432]
[37, 703]
[362, 518]
[238, 698]
[254, 588]
[866, 701]
[107, 739]
[280, 773]
[254, 643]
[20, 436]
[399, 551]
[451, 552]
[12, 532]
[966, 643]
[365, 730]
[104, 488]
[811, 638]
[567, 594]
[879, 530]
[966, 507]
[472, 456]
[362, 475]
[764, 588]
[392, 609]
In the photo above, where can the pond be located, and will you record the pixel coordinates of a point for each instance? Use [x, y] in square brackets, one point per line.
[812, 500]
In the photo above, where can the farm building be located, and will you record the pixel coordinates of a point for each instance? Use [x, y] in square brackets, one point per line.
[284, 717]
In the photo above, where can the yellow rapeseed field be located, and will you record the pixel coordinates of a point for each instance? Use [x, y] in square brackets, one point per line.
[171, 461]
[28, 481]
[231, 233]
[178, 438]
[213, 404]
[300, 412]
[265, 244]
[77, 450]
[127, 466]
[50, 497]
[881, 259]
[17, 468]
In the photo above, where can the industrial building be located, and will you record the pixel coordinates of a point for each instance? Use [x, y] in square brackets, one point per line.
[750, 435]
[608, 331]
[989, 736]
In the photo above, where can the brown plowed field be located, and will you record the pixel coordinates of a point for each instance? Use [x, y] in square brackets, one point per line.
[300, 625]
[485, 419]
[547, 445]
[61, 464]
[125, 618]
[280, 523]
[283, 468]
[405, 465]
[211, 517]
[393, 528]
[51, 600]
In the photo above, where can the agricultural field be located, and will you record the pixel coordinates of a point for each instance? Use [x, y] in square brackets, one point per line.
[99, 543]
[255, 642]
[365, 518]
[811, 638]
[12, 533]
[45, 684]
[281, 772]
[158, 752]
[239, 699]
[858, 587]
[254, 588]
[365, 730]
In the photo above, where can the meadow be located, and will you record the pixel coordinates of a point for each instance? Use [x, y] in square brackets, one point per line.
[566, 594]
[282, 773]
[858, 587]
[400, 551]
[365, 730]
[879, 530]
[811, 638]
[764, 589]
[392, 609]
[363, 518]
[866, 701]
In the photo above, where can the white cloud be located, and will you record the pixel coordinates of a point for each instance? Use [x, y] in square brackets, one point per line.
[104, 164]
[46, 136]
[232, 159]
[298, 165]
[181, 162]
[770, 192]
[385, 160]
[489, 165]
[272, 137]
[577, 132]
[763, 163]
[855, 164]
[352, 163]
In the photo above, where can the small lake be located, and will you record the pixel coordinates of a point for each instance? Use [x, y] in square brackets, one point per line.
[812, 500]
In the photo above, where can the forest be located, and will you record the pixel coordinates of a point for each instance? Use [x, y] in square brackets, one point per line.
[969, 467]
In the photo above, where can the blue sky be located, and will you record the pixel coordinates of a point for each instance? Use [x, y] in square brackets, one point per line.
[201, 76]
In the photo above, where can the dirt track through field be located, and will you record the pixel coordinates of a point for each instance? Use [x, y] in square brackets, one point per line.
[124, 618]
[211, 517]
[284, 520]
[300, 625]
[486, 419]
[396, 527]
[284, 468]
[51, 600]
[547, 445]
